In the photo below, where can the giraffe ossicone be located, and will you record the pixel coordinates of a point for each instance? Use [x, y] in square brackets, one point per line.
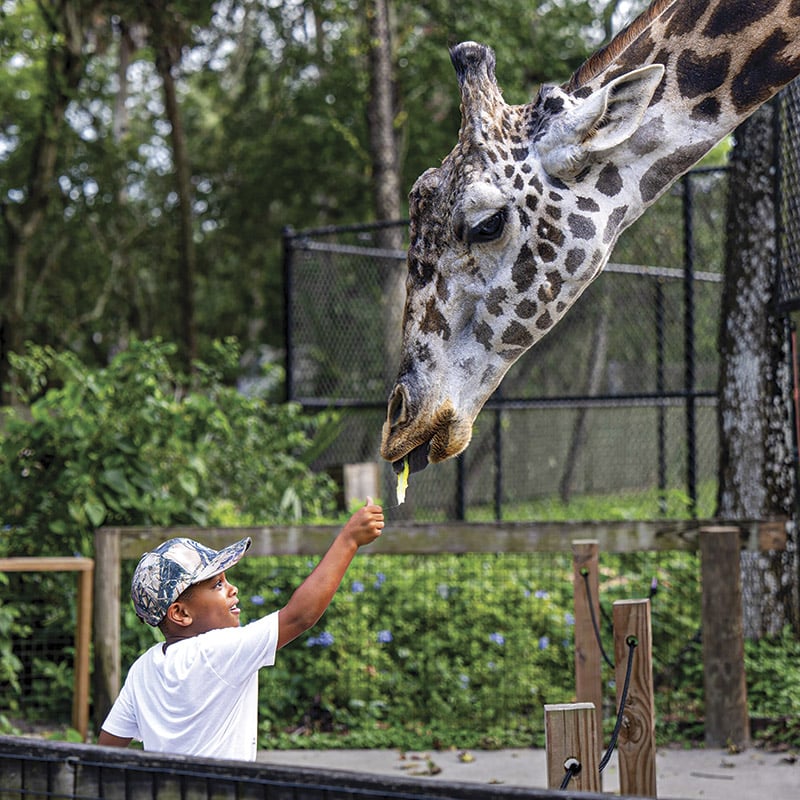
[523, 213]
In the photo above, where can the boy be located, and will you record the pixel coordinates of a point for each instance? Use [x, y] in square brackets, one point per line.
[197, 692]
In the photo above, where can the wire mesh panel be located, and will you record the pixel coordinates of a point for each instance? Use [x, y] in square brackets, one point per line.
[789, 192]
[618, 398]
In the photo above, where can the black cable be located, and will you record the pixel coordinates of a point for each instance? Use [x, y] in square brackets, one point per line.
[596, 627]
[632, 642]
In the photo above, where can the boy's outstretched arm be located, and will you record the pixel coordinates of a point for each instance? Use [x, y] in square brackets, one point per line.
[315, 593]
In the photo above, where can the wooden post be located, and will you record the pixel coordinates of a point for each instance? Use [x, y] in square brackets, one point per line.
[636, 746]
[570, 733]
[727, 720]
[107, 669]
[83, 640]
[588, 656]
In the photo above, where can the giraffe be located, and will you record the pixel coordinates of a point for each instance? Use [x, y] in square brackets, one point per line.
[523, 213]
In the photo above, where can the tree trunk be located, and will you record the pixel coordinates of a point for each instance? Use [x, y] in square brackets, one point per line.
[166, 59]
[385, 175]
[756, 478]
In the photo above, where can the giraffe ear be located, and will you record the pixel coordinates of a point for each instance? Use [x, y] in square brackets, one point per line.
[601, 121]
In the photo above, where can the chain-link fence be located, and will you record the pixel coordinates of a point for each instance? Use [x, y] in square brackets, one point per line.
[620, 399]
[788, 190]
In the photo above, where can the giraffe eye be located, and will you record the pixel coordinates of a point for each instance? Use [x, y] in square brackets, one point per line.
[489, 229]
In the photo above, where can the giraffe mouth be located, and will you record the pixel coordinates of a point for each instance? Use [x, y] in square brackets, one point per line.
[417, 459]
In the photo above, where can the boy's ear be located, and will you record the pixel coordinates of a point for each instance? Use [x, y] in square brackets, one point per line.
[178, 614]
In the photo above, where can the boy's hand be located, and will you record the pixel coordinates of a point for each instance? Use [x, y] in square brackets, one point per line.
[366, 524]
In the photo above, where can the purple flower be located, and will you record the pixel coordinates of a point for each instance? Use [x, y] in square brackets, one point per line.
[544, 642]
[257, 600]
[569, 618]
[464, 681]
[541, 594]
[384, 637]
[497, 638]
[380, 578]
[357, 587]
[325, 639]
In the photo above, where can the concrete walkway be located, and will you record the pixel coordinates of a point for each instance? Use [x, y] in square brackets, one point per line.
[753, 774]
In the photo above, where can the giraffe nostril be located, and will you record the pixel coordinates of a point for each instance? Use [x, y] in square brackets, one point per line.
[397, 406]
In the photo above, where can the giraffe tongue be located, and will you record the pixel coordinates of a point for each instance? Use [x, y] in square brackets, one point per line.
[417, 460]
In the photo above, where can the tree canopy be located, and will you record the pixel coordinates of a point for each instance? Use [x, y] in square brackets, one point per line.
[150, 154]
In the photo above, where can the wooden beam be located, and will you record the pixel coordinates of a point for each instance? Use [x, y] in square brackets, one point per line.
[401, 537]
[46, 564]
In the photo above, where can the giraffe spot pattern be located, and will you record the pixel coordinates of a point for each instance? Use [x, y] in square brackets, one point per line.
[575, 257]
[517, 334]
[546, 252]
[581, 227]
[495, 300]
[614, 221]
[545, 321]
[483, 335]
[609, 181]
[549, 232]
[523, 273]
[765, 69]
[526, 308]
[587, 204]
[551, 289]
[434, 321]
[688, 20]
[554, 212]
[736, 15]
[653, 180]
[708, 109]
[699, 75]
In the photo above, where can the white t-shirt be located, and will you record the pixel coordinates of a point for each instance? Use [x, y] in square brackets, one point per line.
[200, 696]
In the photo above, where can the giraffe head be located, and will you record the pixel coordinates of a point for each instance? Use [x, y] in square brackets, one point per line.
[504, 236]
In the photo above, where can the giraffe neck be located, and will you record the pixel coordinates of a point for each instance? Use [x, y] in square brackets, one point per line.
[722, 61]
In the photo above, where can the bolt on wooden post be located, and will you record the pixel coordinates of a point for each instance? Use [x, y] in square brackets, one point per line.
[570, 734]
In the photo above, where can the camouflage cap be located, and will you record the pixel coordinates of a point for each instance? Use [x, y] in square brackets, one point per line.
[164, 573]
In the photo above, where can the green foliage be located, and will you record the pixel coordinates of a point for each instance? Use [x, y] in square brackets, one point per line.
[411, 647]
[773, 679]
[128, 445]
[10, 665]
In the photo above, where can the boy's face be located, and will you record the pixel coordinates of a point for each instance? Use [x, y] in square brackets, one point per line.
[213, 603]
